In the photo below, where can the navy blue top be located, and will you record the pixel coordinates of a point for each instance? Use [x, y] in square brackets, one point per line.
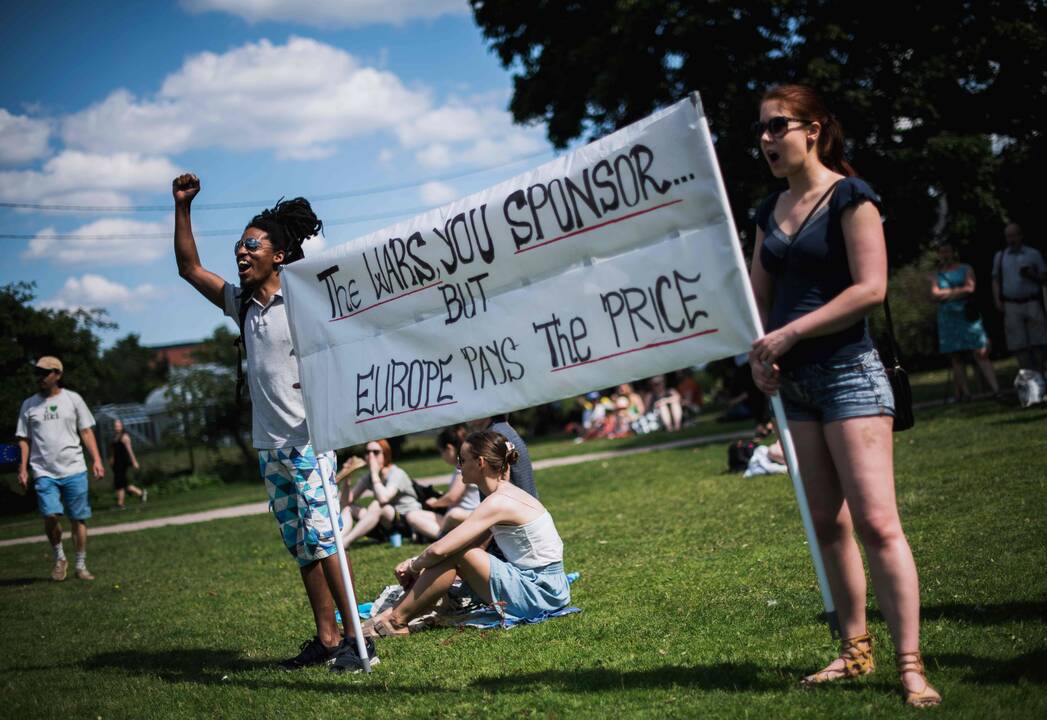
[521, 474]
[811, 271]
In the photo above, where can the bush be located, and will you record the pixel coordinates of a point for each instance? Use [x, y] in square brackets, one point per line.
[914, 314]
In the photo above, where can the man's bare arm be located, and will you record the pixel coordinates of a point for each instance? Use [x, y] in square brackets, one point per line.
[185, 188]
[23, 465]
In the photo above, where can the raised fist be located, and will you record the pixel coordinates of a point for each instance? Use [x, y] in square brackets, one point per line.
[185, 187]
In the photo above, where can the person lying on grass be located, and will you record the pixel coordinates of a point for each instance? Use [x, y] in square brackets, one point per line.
[530, 582]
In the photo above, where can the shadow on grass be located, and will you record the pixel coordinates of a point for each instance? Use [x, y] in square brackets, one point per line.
[980, 614]
[214, 667]
[1029, 417]
[1030, 666]
[739, 677]
[196, 665]
[19, 582]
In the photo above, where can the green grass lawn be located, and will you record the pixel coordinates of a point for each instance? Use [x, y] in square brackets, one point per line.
[698, 595]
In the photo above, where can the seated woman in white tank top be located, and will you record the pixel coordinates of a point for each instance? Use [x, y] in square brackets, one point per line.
[530, 584]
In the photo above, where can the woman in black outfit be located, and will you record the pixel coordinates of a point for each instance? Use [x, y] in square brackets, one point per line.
[815, 282]
[122, 456]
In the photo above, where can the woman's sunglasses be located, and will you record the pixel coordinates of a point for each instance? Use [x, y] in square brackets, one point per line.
[252, 244]
[372, 452]
[776, 126]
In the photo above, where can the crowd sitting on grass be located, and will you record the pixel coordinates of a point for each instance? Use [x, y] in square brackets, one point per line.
[624, 411]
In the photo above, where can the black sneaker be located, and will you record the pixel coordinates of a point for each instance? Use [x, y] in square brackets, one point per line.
[347, 659]
[313, 652]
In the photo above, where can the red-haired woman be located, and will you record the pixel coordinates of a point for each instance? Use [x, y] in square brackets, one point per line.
[819, 268]
[395, 497]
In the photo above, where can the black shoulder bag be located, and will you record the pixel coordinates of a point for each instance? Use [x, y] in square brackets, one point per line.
[903, 416]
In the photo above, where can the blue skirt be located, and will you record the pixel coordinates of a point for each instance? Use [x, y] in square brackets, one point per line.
[526, 594]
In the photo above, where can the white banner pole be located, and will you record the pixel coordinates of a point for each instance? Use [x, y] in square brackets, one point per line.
[343, 565]
[784, 433]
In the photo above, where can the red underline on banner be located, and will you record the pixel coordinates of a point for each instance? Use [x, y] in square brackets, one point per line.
[404, 412]
[383, 302]
[645, 347]
[597, 227]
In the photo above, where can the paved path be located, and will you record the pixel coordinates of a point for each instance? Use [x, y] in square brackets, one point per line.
[257, 508]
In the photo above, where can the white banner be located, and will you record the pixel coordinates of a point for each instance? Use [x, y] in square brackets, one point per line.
[607, 265]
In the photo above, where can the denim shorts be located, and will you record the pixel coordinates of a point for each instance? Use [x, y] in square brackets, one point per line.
[70, 491]
[528, 594]
[837, 389]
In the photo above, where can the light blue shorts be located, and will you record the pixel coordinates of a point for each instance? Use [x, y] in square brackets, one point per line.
[294, 478]
[70, 491]
[521, 594]
[838, 389]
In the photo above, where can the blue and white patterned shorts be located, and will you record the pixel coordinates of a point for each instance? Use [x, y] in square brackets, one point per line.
[294, 478]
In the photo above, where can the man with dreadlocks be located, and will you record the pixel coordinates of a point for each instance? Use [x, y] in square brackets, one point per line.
[294, 474]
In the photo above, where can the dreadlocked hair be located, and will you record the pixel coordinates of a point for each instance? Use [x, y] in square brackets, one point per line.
[288, 224]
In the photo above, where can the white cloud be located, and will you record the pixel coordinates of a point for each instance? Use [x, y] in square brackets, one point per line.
[437, 193]
[94, 291]
[71, 173]
[324, 13]
[296, 98]
[22, 138]
[467, 132]
[109, 241]
[436, 155]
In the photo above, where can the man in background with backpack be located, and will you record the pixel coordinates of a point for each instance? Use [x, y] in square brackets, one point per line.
[294, 474]
[1018, 274]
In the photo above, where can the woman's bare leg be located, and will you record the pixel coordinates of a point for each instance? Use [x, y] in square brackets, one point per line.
[425, 523]
[474, 566]
[833, 526]
[959, 375]
[366, 521]
[863, 453]
[452, 519]
[981, 359]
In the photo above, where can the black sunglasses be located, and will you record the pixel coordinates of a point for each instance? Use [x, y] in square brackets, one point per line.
[252, 244]
[776, 126]
[372, 452]
[43, 372]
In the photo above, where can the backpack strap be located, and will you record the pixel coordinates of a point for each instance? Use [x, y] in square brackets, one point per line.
[241, 346]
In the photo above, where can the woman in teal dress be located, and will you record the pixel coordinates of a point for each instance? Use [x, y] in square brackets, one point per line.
[952, 286]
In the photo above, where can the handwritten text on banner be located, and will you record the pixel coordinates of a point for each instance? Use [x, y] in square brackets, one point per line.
[610, 264]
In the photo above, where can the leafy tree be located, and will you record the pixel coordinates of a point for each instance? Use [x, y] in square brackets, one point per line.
[226, 415]
[943, 101]
[131, 372]
[27, 333]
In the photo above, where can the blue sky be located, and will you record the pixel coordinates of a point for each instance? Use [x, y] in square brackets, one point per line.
[102, 103]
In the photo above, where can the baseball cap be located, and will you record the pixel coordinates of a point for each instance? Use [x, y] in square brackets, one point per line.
[49, 362]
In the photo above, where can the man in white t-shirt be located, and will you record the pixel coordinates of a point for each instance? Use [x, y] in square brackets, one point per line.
[51, 425]
[295, 475]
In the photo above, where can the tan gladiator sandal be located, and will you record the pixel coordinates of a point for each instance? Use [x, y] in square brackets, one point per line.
[927, 696]
[857, 656]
